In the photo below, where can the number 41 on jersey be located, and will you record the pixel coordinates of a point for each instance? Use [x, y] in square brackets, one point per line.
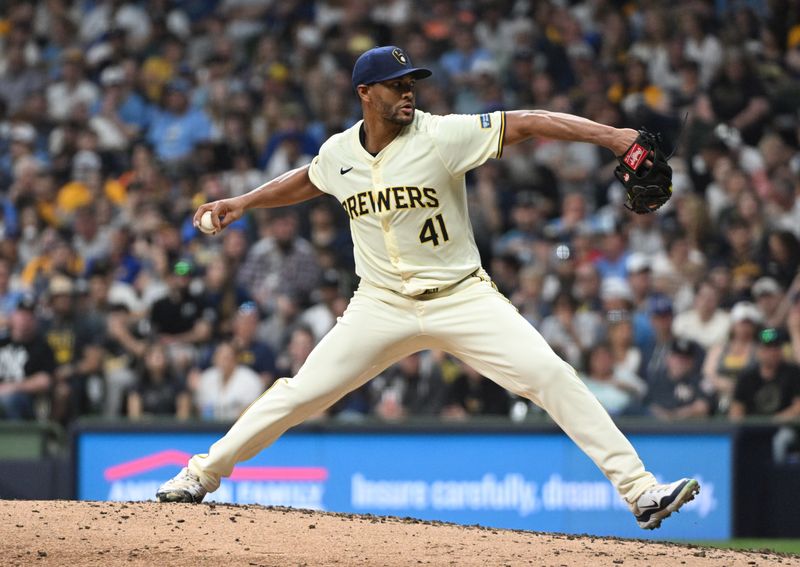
[430, 233]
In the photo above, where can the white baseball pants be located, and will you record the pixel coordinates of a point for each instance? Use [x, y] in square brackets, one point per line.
[473, 322]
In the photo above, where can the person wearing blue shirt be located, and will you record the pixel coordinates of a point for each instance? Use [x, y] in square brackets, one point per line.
[175, 130]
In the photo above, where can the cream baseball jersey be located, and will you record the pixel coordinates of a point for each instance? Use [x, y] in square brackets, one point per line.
[407, 205]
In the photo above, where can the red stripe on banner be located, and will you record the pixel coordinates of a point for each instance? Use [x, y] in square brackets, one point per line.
[307, 474]
[172, 457]
[148, 463]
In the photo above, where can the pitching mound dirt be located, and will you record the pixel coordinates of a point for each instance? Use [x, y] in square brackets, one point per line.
[145, 533]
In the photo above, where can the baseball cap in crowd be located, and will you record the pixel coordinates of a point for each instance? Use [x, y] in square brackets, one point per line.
[765, 286]
[746, 311]
[85, 160]
[183, 268]
[330, 278]
[248, 307]
[685, 347]
[772, 337]
[615, 288]
[637, 262]
[26, 303]
[659, 304]
[61, 285]
[22, 133]
[180, 85]
[384, 63]
[528, 199]
[114, 75]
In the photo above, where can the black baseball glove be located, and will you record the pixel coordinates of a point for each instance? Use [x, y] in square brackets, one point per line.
[645, 173]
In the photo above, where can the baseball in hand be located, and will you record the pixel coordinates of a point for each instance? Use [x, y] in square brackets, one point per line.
[206, 226]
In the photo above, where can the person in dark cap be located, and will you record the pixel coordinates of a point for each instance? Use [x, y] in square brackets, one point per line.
[400, 175]
[654, 355]
[321, 316]
[182, 319]
[26, 364]
[677, 391]
[77, 388]
[773, 387]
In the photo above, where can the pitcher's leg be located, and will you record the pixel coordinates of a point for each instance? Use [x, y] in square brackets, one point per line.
[369, 337]
[504, 347]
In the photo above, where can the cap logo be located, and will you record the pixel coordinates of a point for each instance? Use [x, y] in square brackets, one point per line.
[400, 56]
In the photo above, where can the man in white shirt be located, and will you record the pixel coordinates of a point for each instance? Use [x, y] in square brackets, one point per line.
[705, 323]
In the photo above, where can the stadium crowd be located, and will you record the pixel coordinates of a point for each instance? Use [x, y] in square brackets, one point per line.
[118, 118]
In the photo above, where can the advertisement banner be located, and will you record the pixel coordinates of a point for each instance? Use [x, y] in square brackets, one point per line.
[534, 481]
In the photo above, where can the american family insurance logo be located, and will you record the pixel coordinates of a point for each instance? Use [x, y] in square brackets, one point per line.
[298, 487]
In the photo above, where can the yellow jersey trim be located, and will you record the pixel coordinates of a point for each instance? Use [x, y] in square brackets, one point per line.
[502, 134]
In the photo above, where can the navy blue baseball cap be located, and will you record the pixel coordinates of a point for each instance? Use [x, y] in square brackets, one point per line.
[384, 63]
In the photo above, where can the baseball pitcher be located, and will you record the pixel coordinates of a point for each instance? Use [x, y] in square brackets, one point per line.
[399, 177]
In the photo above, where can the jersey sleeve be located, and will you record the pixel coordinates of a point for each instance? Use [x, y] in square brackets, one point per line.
[316, 174]
[318, 171]
[465, 141]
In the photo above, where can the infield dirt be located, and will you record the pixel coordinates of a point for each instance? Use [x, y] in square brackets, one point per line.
[74, 534]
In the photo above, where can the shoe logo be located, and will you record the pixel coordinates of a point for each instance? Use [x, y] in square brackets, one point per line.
[343, 170]
[650, 506]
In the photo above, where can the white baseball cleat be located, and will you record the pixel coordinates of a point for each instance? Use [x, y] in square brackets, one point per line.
[183, 487]
[661, 500]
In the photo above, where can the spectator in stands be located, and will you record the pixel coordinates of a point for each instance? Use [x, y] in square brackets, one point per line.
[9, 296]
[124, 345]
[737, 97]
[301, 343]
[57, 257]
[286, 258]
[676, 391]
[587, 287]
[26, 364]
[793, 319]
[571, 332]
[223, 391]
[768, 294]
[182, 319]
[471, 394]
[276, 329]
[640, 283]
[253, 353]
[528, 298]
[330, 305]
[626, 355]
[74, 92]
[574, 216]
[223, 294]
[726, 362]
[677, 269]
[466, 55]
[158, 391]
[661, 317]
[77, 387]
[177, 127]
[782, 258]
[119, 116]
[705, 323]
[19, 79]
[772, 387]
[521, 238]
[411, 387]
[617, 388]
[91, 241]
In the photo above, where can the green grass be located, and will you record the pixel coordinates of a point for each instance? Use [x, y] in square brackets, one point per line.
[781, 545]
